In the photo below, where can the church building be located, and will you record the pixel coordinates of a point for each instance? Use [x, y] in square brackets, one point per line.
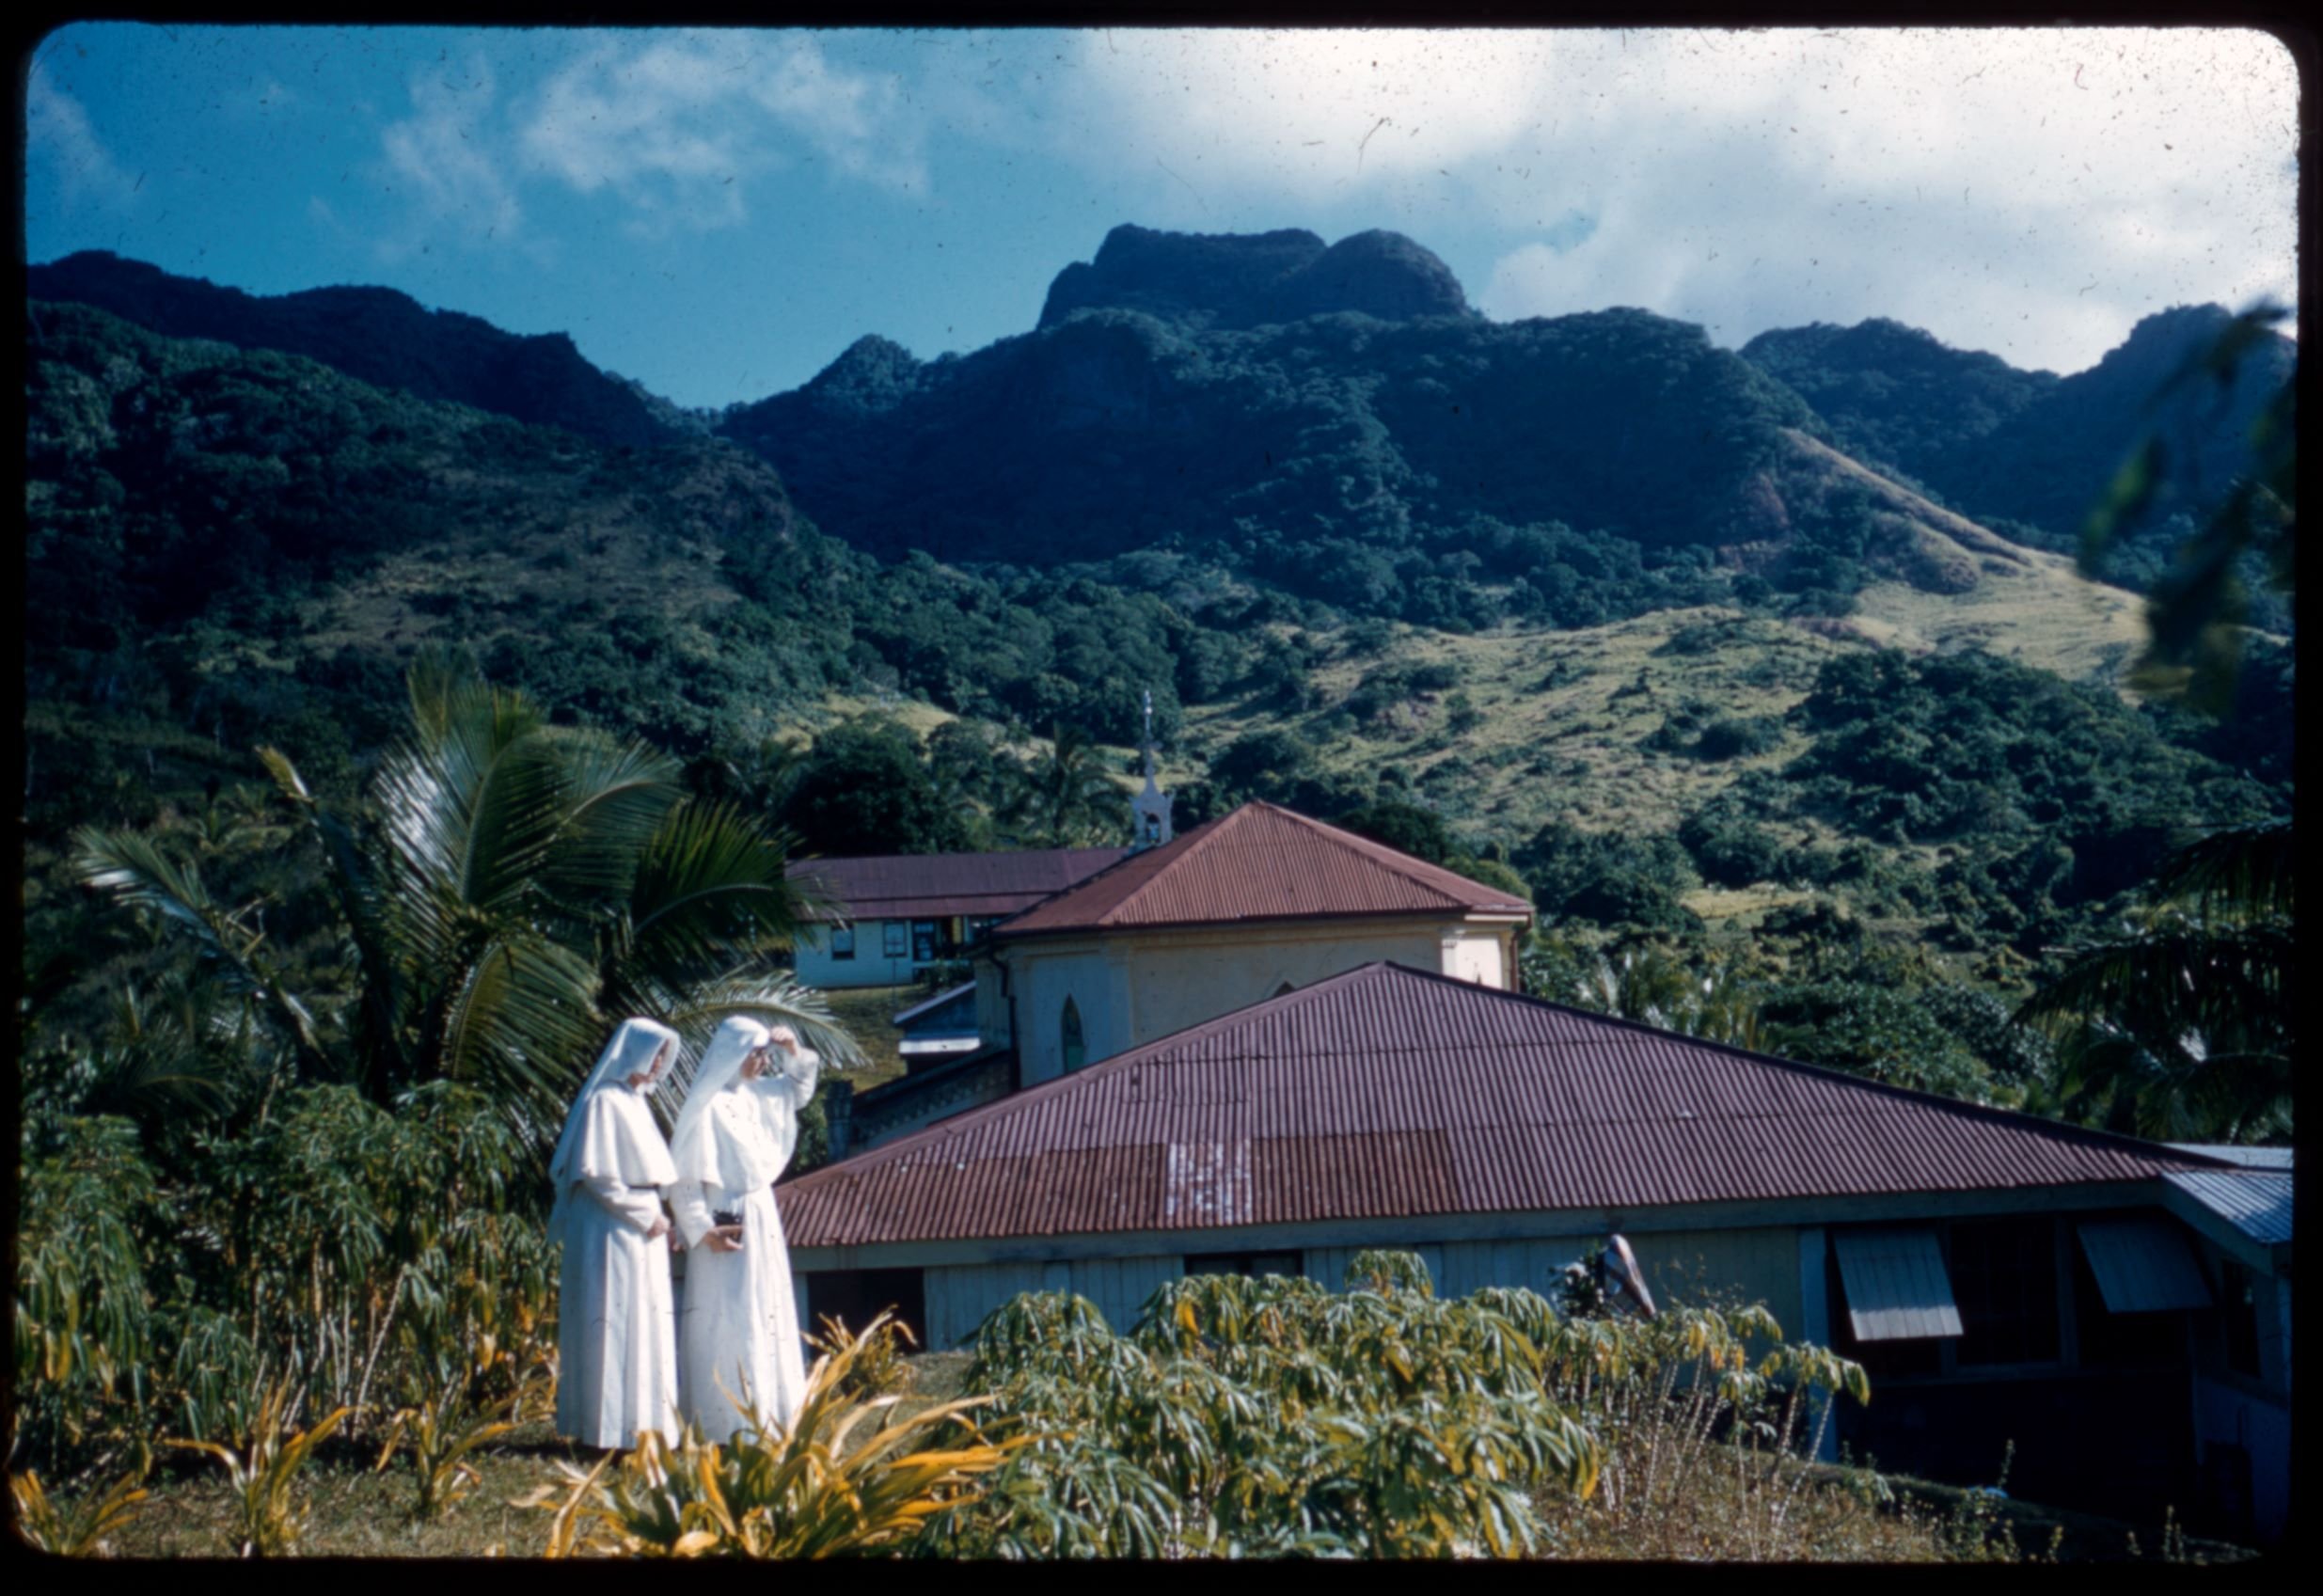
[1258, 902]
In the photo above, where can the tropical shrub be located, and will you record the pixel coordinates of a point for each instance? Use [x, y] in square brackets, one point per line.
[77, 1530]
[1269, 1417]
[847, 1475]
[513, 882]
[84, 1314]
[264, 1466]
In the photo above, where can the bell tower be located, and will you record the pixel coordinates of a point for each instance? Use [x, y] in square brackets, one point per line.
[1149, 811]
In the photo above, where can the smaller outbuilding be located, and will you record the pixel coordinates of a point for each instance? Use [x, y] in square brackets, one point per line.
[891, 916]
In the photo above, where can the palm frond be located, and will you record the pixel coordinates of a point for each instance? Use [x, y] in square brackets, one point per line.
[364, 906]
[2242, 870]
[711, 892]
[612, 800]
[2183, 976]
[469, 801]
[523, 1025]
[135, 870]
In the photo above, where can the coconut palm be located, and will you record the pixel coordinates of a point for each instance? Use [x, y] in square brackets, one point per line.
[2182, 1028]
[514, 886]
[1063, 796]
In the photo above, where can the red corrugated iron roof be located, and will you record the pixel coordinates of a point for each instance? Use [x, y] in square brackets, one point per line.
[1260, 863]
[1390, 1092]
[936, 886]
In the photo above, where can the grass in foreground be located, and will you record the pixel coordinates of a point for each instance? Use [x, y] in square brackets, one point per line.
[1716, 1512]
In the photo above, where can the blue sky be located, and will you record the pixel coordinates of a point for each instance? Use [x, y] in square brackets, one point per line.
[719, 213]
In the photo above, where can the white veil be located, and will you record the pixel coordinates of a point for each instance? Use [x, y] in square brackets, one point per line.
[690, 1144]
[631, 1051]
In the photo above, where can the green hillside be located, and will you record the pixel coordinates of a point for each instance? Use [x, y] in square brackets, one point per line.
[229, 547]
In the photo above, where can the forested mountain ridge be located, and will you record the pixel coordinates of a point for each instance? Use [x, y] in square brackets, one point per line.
[382, 336]
[1336, 421]
[230, 549]
[2019, 450]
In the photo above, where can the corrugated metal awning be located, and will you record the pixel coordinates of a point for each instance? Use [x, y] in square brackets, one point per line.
[1897, 1290]
[2144, 1265]
[2257, 1203]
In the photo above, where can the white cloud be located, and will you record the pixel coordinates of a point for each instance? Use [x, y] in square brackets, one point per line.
[2032, 191]
[57, 128]
[442, 158]
[1306, 116]
[676, 126]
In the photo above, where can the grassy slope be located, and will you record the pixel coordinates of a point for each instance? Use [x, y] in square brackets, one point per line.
[1572, 750]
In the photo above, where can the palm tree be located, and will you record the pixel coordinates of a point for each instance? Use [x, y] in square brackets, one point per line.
[514, 888]
[2183, 1027]
[1063, 796]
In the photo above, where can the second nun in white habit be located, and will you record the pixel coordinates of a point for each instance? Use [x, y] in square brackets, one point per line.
[616, 1348]
[740, 1328]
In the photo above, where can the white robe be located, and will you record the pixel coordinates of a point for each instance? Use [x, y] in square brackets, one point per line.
[740, 1328]
[616, 1351]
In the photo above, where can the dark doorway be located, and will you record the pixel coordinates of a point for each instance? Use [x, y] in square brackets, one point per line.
[1243, 1263]
[854, 1296]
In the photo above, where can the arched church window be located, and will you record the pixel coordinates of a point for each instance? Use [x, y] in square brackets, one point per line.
[1075, 1048]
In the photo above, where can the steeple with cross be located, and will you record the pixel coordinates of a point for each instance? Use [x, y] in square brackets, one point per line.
[1149, 811]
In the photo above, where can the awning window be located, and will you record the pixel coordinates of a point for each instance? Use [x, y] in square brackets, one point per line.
[1897, 1290]
[2144, 1265]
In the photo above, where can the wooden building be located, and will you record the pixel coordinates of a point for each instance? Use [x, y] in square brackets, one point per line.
[2005, 1277]
[891, 916]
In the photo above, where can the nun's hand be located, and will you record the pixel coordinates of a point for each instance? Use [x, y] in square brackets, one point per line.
[725, 1239]
[661, 1227]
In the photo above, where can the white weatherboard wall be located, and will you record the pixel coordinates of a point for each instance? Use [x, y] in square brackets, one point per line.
[868, 967]
[958, 1297]
[1134, 988]
[1759, 1264]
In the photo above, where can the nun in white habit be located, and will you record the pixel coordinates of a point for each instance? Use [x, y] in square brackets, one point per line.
[739, 1328]
[616, 1346]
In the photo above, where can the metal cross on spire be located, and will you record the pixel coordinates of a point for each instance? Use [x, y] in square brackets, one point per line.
[1148, 743]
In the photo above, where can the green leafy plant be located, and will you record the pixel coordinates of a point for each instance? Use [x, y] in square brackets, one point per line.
[79, 1531]
[847, 1475]
[442, 1430]
[83, 1313]
[264, 1470]
[1269, 1417]
[876, 1365]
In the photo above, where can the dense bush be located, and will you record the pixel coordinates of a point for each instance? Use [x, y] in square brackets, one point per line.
[365, 1252]
[1270, 1415]
[1607, 878]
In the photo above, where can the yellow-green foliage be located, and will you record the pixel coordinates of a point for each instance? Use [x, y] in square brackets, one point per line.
[876, 1364]
[265, 1468]
[77, 1531]
[847, 1475]
[1268, 1416]
[440, 1431]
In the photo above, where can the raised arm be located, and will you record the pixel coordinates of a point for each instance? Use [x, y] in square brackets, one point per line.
[794, 1076]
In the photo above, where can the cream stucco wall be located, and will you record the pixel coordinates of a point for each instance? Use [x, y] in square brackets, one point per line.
[1135, 987]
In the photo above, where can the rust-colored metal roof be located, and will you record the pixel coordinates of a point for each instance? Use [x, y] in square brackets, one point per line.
[1390, 1092]
[936, 886]
[1259, 862]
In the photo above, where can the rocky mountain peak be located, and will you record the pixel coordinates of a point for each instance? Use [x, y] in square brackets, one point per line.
[1235, 280]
